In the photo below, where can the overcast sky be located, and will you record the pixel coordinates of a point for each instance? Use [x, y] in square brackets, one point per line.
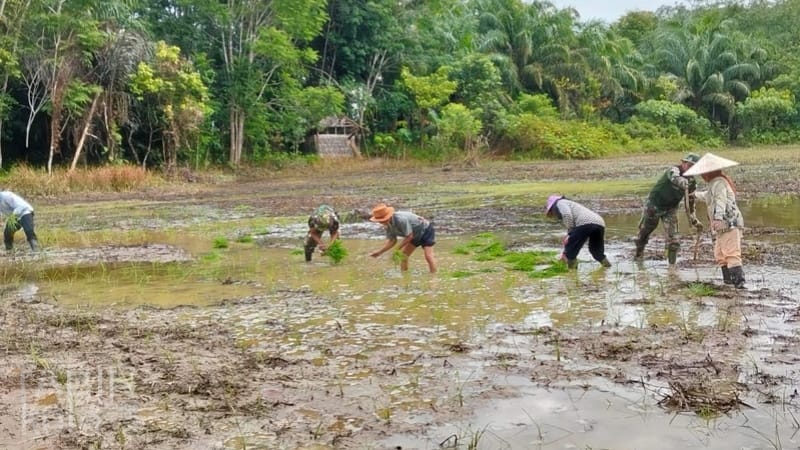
[610, 10]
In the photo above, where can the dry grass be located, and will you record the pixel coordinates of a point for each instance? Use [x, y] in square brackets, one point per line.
[36, 182]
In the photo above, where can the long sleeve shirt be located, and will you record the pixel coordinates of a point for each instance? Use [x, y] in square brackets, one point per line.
[573, 214]
[721, 203]
[11, 203]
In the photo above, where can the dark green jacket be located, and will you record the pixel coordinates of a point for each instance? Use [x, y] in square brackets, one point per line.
[669, 189]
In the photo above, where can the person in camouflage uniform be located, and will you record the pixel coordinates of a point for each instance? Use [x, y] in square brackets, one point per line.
[324, 218]
[662, 205]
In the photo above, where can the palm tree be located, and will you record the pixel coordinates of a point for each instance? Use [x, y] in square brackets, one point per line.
[712, 71]
[531, 44]
[614, 66]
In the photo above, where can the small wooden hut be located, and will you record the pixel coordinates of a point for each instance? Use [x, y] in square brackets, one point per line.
[337, 137]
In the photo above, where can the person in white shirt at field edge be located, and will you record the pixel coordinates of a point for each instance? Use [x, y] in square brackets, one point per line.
[18, 214]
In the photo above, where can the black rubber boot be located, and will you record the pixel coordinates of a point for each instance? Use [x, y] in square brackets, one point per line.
[572, 263]
[672, 256]
[639, 249]
[737, 277]
[605, 262]
[726, 275]
[34, 245]
[309, 252]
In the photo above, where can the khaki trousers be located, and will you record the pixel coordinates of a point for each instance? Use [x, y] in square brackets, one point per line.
[728, 248]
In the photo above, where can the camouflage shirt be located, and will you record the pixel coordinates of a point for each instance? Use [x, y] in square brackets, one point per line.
[324, 218]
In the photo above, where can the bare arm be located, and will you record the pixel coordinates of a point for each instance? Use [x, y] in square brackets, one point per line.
[386, 247]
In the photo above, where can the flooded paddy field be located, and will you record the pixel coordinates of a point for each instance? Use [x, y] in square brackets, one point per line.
[188, 319]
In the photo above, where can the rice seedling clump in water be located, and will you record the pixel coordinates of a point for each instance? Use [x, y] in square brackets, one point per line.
[336, 251]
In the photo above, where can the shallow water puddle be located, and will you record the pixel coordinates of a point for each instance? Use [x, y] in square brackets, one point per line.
[608, 416]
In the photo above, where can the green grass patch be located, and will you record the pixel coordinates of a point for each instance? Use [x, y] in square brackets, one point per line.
[700, 289]
[469, 273]
[220, 242]
[557, 268]
[245, 239]
[487, 247]
[463, 273]
[528, 261]
[210, 257]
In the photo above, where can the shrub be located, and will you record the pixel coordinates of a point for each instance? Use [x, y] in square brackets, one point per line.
[670, 117]
[768, 116]
[549, 137]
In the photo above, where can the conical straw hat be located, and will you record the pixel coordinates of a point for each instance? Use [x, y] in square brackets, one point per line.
[709, 163]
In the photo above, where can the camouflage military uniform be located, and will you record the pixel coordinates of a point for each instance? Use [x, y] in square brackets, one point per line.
[662, 205]
[324, 218]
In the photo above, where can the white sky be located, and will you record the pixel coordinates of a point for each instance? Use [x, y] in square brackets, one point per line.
[611, 10]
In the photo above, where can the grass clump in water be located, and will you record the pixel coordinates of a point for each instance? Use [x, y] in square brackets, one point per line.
[245, 239]
[528, 261]
[336, 251]
[469, 273]
[486, 247]
[557, 268]
[398, 256]
[700, 289]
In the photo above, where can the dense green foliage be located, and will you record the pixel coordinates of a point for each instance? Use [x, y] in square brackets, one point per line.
[168, 83]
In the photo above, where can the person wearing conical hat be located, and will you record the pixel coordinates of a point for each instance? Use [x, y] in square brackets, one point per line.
[725, 218]
[324, 218]
[662, 206]
[415, 231]
[583, 225]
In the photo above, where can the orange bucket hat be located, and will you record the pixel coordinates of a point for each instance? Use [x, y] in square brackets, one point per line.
[381, 213]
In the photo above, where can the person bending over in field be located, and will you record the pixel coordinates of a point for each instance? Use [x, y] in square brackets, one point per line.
[323, 219]
[415, 231]
[582, 224]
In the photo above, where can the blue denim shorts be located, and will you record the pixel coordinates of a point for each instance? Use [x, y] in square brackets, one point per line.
[427, 239]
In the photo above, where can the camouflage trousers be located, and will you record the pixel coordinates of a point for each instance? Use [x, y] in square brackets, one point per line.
[649, 222]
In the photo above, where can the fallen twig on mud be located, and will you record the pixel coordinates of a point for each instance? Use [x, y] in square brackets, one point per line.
[703, 397]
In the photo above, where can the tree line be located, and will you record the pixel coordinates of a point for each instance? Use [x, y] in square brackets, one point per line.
[160, 83]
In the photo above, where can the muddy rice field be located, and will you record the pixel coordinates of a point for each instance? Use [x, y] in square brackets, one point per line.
[184, 317]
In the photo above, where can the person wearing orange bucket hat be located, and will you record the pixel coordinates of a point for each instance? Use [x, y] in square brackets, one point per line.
[724, 216]
[415, 230]
[582, 224]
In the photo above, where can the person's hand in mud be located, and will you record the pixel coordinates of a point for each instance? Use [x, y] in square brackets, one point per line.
[717, 225]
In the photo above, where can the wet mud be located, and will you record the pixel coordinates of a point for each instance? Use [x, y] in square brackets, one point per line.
[409, 361]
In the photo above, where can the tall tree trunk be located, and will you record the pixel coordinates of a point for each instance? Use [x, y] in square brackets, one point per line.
[237, 118]
[84, 133]
[55, 123]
